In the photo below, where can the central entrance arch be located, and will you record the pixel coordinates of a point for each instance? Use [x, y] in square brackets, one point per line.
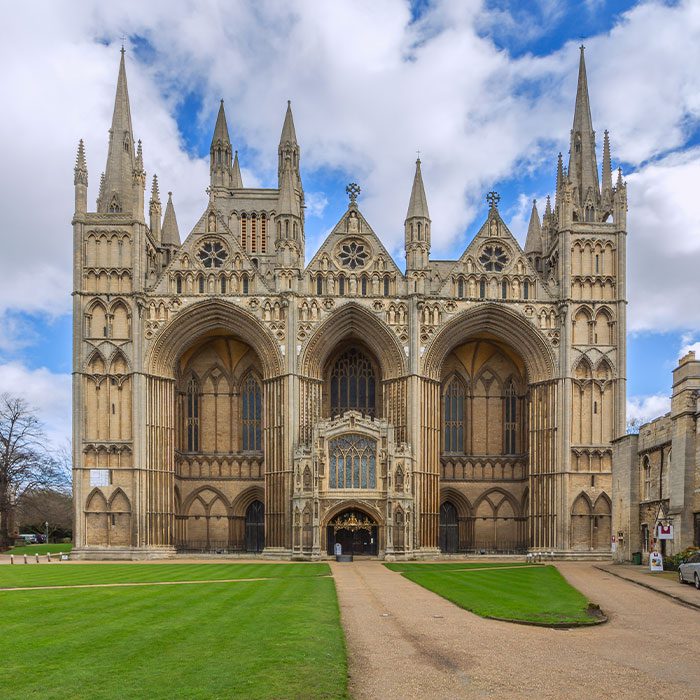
[355, 531]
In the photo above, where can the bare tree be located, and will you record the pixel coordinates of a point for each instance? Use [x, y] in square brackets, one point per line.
[26, 462]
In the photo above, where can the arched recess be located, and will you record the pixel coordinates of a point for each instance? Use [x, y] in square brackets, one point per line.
[580, 537]
[206, 512]
[352, 322]
[96, 519]
[455, 536]
[602, 522]
[497, 525]
[582, 326]
[120, 515]
[206, 318]
[241, 512]
[503, 324]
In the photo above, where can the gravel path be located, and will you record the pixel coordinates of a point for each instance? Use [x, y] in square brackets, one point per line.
[406, 642]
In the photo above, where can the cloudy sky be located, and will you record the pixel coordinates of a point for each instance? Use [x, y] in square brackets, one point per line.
[484, 89]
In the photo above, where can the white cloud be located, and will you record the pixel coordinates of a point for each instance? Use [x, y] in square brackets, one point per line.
[642, 409]
[47, 392]
[316, 203]
[689, 344]
[369, 87]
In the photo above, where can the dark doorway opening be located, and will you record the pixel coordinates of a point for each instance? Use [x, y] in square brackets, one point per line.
[255, 527]
[355, 532]
[449, 528]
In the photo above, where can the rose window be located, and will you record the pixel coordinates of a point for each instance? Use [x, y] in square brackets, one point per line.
[493, 258]
[353, 255]
[212, 254]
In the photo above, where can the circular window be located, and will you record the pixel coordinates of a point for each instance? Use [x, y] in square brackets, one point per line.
[353, 255]
[212, 254]
[493, 257]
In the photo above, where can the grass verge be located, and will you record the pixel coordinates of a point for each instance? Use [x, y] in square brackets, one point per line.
[532, 594]
[32, 549]
[279, 638]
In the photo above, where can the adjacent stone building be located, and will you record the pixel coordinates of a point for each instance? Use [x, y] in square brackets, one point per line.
[656, 482]
[230, 397]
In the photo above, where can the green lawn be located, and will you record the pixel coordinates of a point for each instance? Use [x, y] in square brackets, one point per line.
[534, 594]
[64, 574]
[278, 638]
[38, 549]
[452, 565]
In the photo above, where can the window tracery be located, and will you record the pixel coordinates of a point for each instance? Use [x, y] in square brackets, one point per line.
[353, 384]
[494, 258]
[353, 462]
[251, 415]
[353, 255]
[212, 254]
[453, 416]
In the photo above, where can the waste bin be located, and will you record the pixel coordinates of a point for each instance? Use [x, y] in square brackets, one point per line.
[637, 558]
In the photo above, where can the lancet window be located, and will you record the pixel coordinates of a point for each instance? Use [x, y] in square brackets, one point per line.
[251, 415]
[353, 462]
[510, 415]
[192, 399]
[453, 416]
[353, 384]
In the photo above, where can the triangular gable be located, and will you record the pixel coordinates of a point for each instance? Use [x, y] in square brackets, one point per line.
[353, 227]
[213, 224]
[493, 251]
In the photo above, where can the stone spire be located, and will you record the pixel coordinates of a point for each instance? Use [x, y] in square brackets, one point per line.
[80, 180]
[118, 195]
[236, 179]
[289, 148]
[417, 231]
[155, 210]
[533, 242]
[170, 234]
[220, 152]
[583, 167]
[560, 181]
[418, 204]
[288, 203]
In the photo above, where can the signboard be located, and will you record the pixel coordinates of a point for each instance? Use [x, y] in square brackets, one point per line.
[656, 562]
[664, 532]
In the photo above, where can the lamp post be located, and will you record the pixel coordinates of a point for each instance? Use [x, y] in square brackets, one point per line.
[46, 525]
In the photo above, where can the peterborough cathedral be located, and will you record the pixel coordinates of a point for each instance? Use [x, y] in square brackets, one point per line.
[230, 397]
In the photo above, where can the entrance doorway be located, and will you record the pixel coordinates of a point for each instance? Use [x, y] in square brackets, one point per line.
[449, 528]
[356, 533]
[255, 527]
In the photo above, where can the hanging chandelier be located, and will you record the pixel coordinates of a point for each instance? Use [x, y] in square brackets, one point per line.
[352, 523]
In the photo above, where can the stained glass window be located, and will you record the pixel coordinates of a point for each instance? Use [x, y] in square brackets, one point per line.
[353, 462]
[353, 384]
[453, 416]
[192, 416]
[251, 414]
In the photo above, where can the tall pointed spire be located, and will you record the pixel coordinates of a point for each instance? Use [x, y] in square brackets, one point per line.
[560, 181]
[418, 204]
[288, 203]
[154, 210]
[583, 167]
[170, 233]
[220, 152]
[289, 148]
[533, 242]
[118, 188]
[607, 166]
[80, 179]
[236, 179]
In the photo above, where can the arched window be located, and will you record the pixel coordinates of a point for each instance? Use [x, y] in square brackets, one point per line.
[244, 232]
[420, 232]
[251, 415]
[263, 234]
[646, 493]
[319, 285]
[253, 233]
[223, 285]
[386, 285]
[353, 462]
[255, 527]
[482, 289]
[192, 416]
[353, 384]
[341, 285]
[510, 401]
[453, 416]
[526, 289]
[201, 285]
[504, 289]
[178, 284]
[244, 282]
[460, 288]
[449, 528]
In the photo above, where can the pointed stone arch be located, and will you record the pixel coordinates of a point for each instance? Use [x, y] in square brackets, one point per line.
[245, 498]
[353, 321]
[212, 315]
[506, 325]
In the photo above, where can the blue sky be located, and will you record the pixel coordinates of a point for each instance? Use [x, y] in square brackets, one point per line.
[485, 90]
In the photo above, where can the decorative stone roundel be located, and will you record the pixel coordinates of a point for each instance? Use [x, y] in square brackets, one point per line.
[353, 255]
[493, 257]
[212, 254]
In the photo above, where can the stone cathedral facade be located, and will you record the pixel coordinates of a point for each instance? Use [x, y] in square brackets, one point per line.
[230, 397]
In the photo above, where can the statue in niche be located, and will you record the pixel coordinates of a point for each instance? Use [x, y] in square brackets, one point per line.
[494, 227]
[211, 225]
[353, 223]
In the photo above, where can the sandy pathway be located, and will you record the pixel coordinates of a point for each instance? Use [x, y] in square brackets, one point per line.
[406, 642]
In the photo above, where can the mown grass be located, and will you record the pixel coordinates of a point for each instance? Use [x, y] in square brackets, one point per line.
[279, 638]
[64, 574]
[452, 565]
[533, 594]
[38, 549]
